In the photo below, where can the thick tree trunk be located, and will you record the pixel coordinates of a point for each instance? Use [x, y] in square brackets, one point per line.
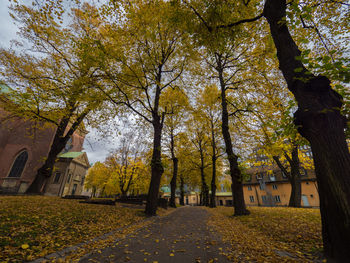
[45, 171]
[321, 123]
[212, 203]
[182, 191]
[204, 190]
[293, 176]
[295, 179]
[236, 176]
[156, 168]
[172, 202]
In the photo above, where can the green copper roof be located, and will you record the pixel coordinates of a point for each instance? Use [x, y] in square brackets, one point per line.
[70, 155]
[165, 189]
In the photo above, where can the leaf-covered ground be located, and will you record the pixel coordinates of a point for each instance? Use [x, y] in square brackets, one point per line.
[34, 226]
[270, 234]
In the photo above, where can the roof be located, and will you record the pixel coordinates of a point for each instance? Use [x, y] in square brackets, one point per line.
[223, 194]
[165, 189]
[70, 155]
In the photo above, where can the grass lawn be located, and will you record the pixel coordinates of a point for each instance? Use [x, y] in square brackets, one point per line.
[34, 226]
[269, 234]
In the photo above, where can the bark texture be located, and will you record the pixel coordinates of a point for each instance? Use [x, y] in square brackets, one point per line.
[172, 202]
[156, 168]
[235, 173]
[182, 191]
[321, 123]
[293, 176]
[212, 202]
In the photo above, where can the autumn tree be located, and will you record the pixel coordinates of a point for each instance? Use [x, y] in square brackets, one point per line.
[125, 164]
[197, 133]
[224, 57]
[322, 124]
[208, 108]
[146, 56]
[96, 179]
[176, 102]
[52, 73]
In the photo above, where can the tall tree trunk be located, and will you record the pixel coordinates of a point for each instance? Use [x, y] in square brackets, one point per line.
[173, 184]
[156, 168]
[182, 191]
[295, 178]
[212, 203]
[205, 189]
[172, 202]
[213, 177]
[321, 123]
[236, 176]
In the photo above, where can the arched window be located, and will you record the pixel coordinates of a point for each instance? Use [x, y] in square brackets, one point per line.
[18, 165]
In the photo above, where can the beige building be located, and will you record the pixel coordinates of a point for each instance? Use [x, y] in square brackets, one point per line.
[274, 189]
[263, 189]
[69, 175]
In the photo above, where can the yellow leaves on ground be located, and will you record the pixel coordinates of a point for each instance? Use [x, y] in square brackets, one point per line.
[270, 234]
[34, 226]
[25, 246]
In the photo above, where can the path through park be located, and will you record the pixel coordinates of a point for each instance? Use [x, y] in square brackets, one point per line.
[182, 236]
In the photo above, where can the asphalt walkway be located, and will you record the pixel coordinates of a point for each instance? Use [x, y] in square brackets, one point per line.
[180, 237]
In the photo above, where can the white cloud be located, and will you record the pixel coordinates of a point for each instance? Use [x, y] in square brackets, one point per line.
[7, 27]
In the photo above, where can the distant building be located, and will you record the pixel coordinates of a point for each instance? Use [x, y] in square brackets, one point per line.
[24, 145]
[190, 197]
[263, 189]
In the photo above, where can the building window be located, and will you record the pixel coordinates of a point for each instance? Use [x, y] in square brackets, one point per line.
[69, 176]
[18, 165]
[249, 187]
[82, 180]
[262, 186]
[284, 175]
[277, 199]
[274, 186]
[258, 176]
[57, 178]
[264, 198]
[75, 188]
[251, 199]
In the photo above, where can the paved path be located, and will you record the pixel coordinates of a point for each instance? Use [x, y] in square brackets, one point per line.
[182, 236]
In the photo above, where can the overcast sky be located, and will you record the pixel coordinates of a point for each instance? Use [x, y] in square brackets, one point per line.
[95, 145]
